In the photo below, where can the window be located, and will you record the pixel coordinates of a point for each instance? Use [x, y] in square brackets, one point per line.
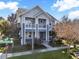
[42, 23]
[26, 18]
[29, 21]
[42, 20]
[28, 34]
[50, 24]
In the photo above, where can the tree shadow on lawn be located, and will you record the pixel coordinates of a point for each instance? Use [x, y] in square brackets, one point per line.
[24, 48]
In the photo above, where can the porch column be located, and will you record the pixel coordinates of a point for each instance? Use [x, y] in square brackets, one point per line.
[24, 35]
[47, 34]
[21, 36]
[21, 23]
[36, 29]
[23, 32]
[23, 40]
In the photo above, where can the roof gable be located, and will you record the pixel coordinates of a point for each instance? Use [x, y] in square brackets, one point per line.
[26, 12]
[38, 12]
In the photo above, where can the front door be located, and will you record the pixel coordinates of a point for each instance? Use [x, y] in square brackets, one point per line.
[42, 36]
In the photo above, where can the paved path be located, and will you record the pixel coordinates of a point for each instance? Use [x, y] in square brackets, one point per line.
[46, 45]
[30, 52]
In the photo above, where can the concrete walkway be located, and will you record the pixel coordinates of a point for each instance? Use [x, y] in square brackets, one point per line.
[30, 52]
[47, 46]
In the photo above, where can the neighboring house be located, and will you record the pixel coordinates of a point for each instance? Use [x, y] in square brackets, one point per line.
[35, 21]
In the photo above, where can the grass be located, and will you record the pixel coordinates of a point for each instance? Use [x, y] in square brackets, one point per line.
[46, 55]
[24, 48]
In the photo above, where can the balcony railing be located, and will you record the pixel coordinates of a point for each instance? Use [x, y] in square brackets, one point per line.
[39, 26]
[30, 26]
[42, 26]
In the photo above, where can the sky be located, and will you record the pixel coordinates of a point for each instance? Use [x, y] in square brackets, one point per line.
[57, 8]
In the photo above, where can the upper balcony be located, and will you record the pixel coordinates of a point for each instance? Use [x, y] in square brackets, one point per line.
[31, 23]
[42, 23]
[30, 26]
[42, 26]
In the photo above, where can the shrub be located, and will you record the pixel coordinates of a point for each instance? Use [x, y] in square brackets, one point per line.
[56, 43]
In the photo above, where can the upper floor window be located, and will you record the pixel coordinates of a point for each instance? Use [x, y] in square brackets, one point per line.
[29, 21]
[32, 20]
[42, 21]
[50, 24]
[28, 34]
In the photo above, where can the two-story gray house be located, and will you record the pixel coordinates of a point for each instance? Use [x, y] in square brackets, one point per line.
[34, 23]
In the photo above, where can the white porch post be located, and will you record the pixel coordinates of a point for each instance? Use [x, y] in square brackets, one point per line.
[21, 37]
[36, 29]
[21, 32]
[21, 40]
[24, 35]
[32, 38]
[46, 34]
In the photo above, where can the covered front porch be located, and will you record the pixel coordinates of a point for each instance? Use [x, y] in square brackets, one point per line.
[42, 36]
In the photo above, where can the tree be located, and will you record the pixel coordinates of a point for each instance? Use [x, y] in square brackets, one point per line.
[8, 29]
[11, 18]
[14, 30]
[4, 26]
[67, 30]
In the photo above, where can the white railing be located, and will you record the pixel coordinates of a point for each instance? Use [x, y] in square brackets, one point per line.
[34, 26]
[42, 26]
[30, 26]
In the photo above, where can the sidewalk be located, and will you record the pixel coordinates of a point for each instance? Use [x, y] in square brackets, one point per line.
[30, 52]
[46, 45]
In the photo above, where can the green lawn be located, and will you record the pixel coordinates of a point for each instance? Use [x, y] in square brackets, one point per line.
[18, 48]
[46, 55]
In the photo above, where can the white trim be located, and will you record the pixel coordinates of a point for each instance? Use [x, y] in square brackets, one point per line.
[42, 12]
